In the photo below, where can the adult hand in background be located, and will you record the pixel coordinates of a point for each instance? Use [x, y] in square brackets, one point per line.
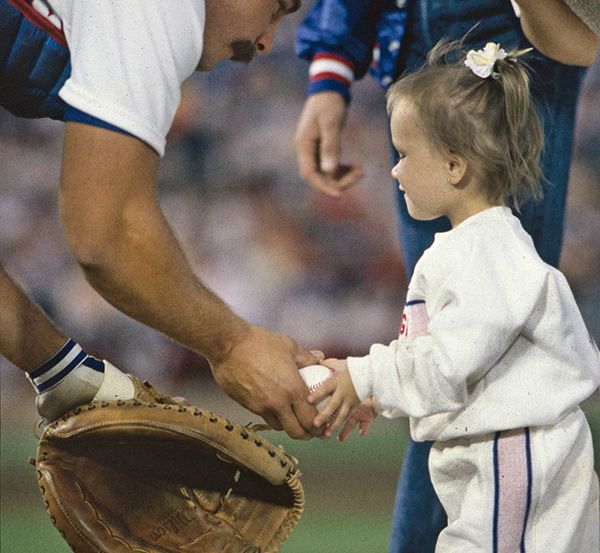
[318, 145]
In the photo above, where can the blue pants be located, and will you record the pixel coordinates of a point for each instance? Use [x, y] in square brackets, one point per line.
[418, 515]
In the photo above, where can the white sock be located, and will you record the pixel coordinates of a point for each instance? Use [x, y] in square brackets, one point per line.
[69, 378]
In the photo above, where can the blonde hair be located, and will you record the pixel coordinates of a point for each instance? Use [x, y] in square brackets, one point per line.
[491, 122]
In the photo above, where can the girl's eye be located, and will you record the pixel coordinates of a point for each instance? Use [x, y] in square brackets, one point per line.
[400, 156]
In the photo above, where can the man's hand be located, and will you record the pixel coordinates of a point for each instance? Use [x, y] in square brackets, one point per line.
[318, 145]
[261, 373]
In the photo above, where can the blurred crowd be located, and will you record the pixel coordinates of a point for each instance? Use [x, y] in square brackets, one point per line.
[327, 272]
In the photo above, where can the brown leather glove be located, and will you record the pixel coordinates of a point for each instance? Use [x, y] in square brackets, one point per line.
[149, 475]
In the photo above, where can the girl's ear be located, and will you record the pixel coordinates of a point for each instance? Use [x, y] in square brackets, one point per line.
[457, 167]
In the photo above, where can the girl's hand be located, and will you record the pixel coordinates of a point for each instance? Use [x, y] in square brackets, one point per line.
[342, 397]
[363, 415]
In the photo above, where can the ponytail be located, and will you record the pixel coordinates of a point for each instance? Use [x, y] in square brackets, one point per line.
[479, 106]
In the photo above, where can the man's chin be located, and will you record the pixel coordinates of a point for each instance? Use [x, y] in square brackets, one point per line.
[205, 65]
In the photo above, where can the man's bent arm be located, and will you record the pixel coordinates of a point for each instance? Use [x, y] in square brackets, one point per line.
[129, 254]
[126, 248]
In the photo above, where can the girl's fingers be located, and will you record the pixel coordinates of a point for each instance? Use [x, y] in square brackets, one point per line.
[324, 390]
[363, 427]
[328, 411]
[339, 419]
[347, 430]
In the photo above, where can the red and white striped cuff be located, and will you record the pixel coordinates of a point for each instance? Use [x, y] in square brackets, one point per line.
[331, 66]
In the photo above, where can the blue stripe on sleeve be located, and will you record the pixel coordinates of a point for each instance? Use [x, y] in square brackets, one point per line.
[73, 114]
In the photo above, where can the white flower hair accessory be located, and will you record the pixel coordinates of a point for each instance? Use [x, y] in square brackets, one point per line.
[482, 62]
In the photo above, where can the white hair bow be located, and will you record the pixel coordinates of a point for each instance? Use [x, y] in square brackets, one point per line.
[482, 62]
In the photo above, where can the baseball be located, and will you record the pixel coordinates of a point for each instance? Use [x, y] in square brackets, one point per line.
[314, 376]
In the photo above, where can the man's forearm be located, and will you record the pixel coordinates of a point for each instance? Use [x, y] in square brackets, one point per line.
[144, 274]
[556, 31]
[27, 337]
[118, 234]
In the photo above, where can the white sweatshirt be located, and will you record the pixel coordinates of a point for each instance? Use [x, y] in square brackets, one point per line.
[491, 339]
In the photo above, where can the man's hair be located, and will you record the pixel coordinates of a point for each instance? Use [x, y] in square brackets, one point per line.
[491, 122]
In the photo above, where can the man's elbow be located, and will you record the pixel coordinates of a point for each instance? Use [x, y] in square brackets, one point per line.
[96, 253]
[581, 54]
[588, 56]
[580, 59]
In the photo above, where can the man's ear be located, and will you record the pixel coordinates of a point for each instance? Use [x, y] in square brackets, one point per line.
[457, 168]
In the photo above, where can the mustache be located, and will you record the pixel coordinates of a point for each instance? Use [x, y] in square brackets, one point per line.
[243, 51]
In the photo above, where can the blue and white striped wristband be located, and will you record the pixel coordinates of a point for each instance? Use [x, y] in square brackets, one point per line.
[61, 365]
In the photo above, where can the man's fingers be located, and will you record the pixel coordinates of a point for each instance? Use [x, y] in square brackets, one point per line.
[342, 178]
[305, 413]
[307, 157]
[324, 185]
[272, 421]
[304, 358]
[349, 176]
[328, 178]
[318, 354]
[309, 170]
[291, 424]
[329, 148]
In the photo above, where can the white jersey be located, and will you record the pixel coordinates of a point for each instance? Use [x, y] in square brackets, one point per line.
[491, 338]
[129, 59]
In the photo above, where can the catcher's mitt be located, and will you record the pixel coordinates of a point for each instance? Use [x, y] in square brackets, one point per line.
[151, 476]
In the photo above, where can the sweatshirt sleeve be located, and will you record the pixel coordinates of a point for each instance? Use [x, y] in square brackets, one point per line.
[478, 301]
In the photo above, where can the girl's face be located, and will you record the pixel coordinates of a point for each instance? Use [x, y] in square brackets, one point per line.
[422, 171]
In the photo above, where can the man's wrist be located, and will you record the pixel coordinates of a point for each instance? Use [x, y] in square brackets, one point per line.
[331, 72]
[220, 345]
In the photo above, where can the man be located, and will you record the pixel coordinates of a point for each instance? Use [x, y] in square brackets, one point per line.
[564, 30]
[112, 70]
[343, 40]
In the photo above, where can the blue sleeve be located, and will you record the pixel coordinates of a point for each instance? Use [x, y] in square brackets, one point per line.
[73, 114]
[347, 28]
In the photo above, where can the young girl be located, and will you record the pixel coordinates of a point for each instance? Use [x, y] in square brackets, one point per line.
[493, 357]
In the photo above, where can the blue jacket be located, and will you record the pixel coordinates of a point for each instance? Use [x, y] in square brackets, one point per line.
[363, 34]
[33, 67]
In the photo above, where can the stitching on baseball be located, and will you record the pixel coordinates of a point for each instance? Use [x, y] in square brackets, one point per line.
[314, 387]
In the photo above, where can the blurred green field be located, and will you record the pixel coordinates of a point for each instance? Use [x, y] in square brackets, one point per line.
[349, 489]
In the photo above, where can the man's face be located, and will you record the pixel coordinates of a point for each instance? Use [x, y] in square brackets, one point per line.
[239, 29]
